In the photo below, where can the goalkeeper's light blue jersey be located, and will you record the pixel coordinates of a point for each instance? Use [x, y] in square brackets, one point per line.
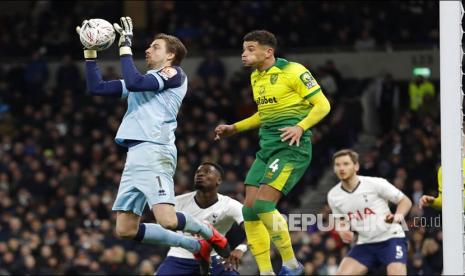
[151, 115]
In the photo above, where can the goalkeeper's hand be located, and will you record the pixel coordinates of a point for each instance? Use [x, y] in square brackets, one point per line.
[125, 32]
[88, 54]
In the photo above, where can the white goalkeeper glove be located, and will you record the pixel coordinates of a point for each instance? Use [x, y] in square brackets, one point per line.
[125, 32]
[88, 54]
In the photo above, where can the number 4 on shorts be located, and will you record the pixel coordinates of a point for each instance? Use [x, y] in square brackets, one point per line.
[274, 166]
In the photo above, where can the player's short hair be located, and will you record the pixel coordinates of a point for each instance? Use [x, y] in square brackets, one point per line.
[216, 166]
[263, 37]
[175, 46]
[351, 153]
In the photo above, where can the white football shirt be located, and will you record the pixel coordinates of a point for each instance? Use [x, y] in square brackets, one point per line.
[222, 215]
[367, 207]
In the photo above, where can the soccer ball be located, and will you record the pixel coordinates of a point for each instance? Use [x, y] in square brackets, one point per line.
[97, 34]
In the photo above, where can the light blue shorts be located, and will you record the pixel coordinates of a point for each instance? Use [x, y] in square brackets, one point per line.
[147, 177]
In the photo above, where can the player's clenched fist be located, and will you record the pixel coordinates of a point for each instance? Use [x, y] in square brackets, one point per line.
[224, 131]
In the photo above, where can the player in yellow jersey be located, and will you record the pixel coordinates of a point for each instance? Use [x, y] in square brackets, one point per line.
[289, 103]
[436, 202]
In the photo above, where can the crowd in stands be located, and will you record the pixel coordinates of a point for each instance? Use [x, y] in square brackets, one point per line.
[325, 25]
[60, 167]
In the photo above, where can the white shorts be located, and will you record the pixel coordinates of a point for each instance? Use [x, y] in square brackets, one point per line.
[147, 177]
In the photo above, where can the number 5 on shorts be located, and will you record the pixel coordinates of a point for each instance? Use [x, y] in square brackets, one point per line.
[399, 252]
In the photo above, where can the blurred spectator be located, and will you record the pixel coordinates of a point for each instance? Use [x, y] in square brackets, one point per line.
[420, 90]
[331, 265]
[146, 268]
[365, 42]
[110, 73]
[418, 266]
[309, 268]
[432, 253]
[327, 82]
[330, 69]
[387, 102]
[36, 73]
[211, 66]
[417, 191]
[68, 75]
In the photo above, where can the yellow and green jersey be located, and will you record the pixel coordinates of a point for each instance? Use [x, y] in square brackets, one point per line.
[282, 94]
[437, 203]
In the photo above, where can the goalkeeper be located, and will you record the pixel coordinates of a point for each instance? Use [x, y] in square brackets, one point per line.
[147, 131]
[289, 102]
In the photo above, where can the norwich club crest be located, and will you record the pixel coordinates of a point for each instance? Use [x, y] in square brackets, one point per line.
[274, 78]
[261, 90]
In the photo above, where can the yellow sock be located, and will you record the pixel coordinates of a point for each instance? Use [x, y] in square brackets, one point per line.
[278, 230]
[258, 240]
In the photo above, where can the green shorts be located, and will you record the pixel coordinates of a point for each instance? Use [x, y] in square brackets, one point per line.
[279, 165]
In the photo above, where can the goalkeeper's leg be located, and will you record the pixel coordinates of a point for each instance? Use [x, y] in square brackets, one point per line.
[128, 226]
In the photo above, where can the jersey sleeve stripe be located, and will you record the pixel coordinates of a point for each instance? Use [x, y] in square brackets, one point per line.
[125, 91]
[312, 93]
[161, 83]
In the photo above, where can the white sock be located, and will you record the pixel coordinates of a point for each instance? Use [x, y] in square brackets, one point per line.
[292, 263]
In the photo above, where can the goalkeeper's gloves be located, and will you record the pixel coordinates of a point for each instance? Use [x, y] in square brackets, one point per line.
[88, 54]
[125, 39]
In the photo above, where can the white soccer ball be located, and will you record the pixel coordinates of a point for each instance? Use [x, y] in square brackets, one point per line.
[97, 34]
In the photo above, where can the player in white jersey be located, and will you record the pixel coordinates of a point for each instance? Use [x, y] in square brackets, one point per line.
[147, 130]
[360, 206]
[207, 205]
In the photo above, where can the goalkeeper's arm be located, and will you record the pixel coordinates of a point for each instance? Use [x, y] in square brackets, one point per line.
[97, 86]
[134, 80]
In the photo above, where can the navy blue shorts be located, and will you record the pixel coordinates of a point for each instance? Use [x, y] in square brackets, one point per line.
[181, 266]
[375, 254]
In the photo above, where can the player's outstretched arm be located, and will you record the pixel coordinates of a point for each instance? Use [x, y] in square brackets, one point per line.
[437, 203]
[251, 122]
[223, 131]
[95, 84]
[134, 80]
[426, 201]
